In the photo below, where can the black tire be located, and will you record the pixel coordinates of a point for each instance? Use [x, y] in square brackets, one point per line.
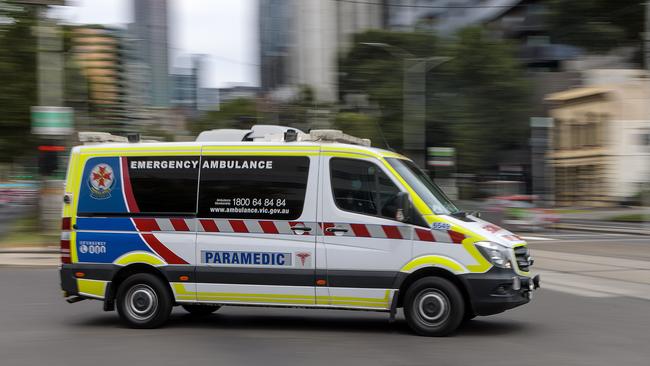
[433, 307]
[143, 301]
[201, 310]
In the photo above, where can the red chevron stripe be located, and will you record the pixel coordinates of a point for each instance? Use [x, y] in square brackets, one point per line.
[424, 235]
[268, 227]
[456, 237]
[179, 225]
[360, 230]
[209, 225]
[392, 232]
[146, 224]
[238, 226]
[132, 204]
[160, 249]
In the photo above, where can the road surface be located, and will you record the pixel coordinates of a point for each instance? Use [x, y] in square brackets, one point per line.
[593, 312]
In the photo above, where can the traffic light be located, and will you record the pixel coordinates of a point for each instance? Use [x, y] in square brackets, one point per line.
[48, 159]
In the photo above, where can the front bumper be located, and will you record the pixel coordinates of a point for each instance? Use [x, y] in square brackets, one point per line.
[498, 290]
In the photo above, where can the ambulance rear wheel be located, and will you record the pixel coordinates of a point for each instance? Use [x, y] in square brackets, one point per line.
[143, 301]
[433, 307]
[201, 310]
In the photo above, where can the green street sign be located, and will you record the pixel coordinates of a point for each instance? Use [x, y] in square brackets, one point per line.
[52, 120]
[441, 156]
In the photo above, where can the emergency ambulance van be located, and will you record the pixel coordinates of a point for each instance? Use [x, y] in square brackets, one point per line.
[275, 217]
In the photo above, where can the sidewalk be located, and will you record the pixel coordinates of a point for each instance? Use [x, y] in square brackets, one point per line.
[593, 276]
[604, 227]
[30, 257]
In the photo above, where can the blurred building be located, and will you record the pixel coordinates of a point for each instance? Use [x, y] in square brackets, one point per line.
[601, 138]
[184, 90]
[150, 33]
[300, 41]
[443, 16]
[275, 41]
[99, 54]
[208, 99]
[185, 87]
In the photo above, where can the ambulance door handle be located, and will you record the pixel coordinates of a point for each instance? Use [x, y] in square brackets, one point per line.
[336, 229]
[300, 228]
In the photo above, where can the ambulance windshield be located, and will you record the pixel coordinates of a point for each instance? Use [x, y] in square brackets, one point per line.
[428, 191]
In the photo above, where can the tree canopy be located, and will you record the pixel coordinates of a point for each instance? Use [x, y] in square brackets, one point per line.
[596, 25]
[477, 102]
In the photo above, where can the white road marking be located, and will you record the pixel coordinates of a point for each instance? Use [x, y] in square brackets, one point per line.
[538, 238]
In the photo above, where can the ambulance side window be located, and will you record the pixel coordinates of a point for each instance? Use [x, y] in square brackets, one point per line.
[139, 185]
[164, 184]
[361, 187]
[253, 187]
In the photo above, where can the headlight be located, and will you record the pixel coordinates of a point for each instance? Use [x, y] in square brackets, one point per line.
[494, 253]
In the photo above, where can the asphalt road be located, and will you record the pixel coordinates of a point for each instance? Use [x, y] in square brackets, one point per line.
[564, 327]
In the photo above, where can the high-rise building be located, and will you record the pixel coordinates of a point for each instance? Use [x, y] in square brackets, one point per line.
[275, 30]
[98, 52]
[150, 33]
[185, 86]
[300, 41]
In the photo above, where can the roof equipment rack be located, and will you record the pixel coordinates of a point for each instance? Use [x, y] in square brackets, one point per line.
[92, 138]
[271, 133]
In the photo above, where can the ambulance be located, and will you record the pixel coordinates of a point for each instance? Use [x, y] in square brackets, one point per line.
[272, 216]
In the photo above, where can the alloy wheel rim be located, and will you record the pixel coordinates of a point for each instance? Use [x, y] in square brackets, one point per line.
[432, 307]
[141, 302]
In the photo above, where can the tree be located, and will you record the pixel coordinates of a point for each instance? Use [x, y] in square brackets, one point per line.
[360, 125]
[477, 102]
[480, 103]
[238, 113]
[377, 72]
[18, 85]
[596, 25]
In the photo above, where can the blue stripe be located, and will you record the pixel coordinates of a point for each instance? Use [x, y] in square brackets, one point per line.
[107, 247]
[105, 224]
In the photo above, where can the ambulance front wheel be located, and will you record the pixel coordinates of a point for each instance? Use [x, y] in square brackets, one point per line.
[433, 306]
[201, 310]
[143, 301]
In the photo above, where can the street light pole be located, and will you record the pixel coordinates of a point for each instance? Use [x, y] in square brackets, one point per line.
[414, 99]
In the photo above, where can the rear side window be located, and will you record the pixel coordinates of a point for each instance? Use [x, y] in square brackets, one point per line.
[143, 185]
[164, 184]
[252, 187]
[361, 187]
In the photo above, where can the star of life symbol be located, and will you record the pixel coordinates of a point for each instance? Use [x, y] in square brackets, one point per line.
[101, 181]
[303, 256]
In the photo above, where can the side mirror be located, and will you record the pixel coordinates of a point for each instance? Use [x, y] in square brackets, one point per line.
[403, 213]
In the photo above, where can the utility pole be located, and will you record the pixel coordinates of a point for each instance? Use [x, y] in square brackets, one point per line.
[50, 120]
[414, 108]
[645, 190]
[646, 36]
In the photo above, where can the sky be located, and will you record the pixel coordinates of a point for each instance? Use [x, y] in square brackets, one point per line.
[223, 30]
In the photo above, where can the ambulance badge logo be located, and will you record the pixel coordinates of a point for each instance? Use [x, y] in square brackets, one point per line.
[304, 258]
[101, 181]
